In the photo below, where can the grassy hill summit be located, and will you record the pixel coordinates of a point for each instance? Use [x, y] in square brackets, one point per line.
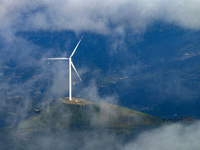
[79, 113]
[71, 122]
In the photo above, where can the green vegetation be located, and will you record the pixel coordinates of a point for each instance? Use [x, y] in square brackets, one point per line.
[63, 114]
[79, 117]
[80, 114]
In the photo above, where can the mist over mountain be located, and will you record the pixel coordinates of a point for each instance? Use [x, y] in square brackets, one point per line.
[159, 69]
[77, 124]
[142, 55]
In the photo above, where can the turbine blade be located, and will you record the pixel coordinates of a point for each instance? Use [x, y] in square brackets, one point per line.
[76, 47]
[75, 70]
[55, 58]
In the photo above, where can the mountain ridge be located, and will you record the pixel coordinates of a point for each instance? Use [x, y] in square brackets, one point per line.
[80, 113]
[73, 120]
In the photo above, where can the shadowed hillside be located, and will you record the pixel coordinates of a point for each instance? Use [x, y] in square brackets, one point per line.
[78, 113]
[74, 120]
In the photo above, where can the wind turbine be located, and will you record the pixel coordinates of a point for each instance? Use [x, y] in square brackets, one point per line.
[70, 64]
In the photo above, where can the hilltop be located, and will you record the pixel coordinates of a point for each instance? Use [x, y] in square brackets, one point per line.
[73, 120]
[79, 113]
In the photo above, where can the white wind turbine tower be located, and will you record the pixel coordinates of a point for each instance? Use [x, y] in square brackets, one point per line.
[70, 64]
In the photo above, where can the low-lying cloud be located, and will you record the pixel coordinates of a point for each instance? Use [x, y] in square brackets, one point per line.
[175, 136]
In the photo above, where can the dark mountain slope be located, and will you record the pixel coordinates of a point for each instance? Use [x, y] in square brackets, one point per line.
[78, 113]
[65, 124]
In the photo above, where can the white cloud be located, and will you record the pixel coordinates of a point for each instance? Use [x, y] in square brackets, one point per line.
[102, 17]
[185, 13]
[98, 16]
[91, 93]
[175, 136]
